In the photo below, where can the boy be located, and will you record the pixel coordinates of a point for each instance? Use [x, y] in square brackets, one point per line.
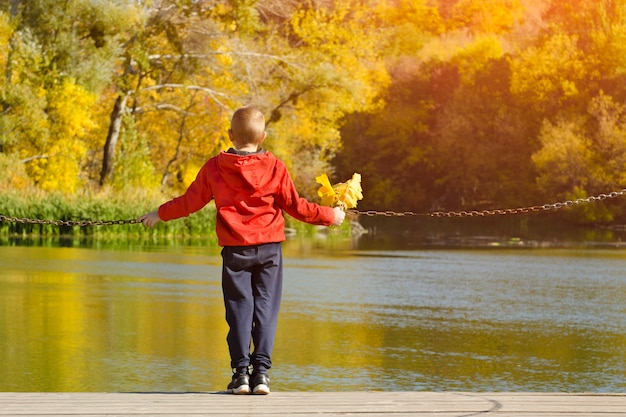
[251, 188]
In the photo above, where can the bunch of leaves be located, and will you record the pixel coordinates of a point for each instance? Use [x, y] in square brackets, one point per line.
[343, 194]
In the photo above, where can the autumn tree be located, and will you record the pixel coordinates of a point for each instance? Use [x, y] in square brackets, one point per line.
[479, 17]
[444, 138]
[439, 104]
[390, 148]
[585, 155]
[482, 143]
[389, 145]
[477, 115]
[333, 69]
[157, 68]
[161, 78]
[59, 58]
[191, 64]
[573, 78]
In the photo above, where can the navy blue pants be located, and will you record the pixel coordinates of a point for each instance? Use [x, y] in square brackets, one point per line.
[252, 282]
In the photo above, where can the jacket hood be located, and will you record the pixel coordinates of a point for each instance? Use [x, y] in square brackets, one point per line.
[251, 173]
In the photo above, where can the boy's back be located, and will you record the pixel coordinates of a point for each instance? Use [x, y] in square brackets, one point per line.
[250, 192]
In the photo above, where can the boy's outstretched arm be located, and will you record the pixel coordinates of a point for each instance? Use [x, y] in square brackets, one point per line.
[339, 216]
[150, 219]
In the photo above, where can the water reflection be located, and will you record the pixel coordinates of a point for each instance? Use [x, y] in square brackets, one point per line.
[75, 319]
[523, 231]
[470, 320]
[81, 320]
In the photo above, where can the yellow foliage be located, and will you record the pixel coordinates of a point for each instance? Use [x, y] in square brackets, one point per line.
[410, 25]
[189, 173]
[61, 170]
[564, 157]
[13, 176]
[334, 69]
[552, 70]
[569, 88]
[71, 110]
[304, 130]
[223, 56]
[61, 155]
[493, 16]
[472, 58]
[347, 55]
[344, 194]
[5, 35]
[197, 136]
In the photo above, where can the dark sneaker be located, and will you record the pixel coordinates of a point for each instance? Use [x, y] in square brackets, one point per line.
[260, 384]
[240, 383]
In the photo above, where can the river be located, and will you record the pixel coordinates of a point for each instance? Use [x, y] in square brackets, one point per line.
[354, 317]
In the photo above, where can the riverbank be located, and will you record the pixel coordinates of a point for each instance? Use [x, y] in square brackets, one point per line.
[55, 219]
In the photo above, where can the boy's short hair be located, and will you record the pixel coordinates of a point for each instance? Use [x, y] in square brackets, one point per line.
[248, 125]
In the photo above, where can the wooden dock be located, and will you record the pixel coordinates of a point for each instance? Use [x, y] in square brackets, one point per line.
[322, 404]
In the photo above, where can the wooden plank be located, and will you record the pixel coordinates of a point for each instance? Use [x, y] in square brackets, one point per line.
[561, 404]
[324, 404]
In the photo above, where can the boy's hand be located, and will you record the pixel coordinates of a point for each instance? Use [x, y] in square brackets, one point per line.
[339, 216]
[150, 219]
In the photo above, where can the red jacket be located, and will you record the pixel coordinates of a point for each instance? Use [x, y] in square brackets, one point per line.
[250, 193]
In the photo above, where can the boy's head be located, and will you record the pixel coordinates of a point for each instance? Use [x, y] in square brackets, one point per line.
[247, 127]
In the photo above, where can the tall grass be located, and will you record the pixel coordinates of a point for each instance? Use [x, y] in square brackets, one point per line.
[102, 206]
[109, 206]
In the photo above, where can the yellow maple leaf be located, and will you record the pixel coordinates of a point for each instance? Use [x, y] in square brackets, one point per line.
[344, 194]
[326, 191]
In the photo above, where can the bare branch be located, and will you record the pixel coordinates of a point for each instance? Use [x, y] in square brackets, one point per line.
[33, 158]
[157, 57]
[275, 113]
[162, 106]
[212, 93]
[167, 106]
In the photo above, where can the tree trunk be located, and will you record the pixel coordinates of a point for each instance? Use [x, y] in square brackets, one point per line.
[112, 138]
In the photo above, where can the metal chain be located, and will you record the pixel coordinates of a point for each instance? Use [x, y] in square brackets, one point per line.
[66, 222]
[389, 213]
[483, 213]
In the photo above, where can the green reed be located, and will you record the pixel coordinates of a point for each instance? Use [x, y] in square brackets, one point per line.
[111, 206]
[104, 206]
